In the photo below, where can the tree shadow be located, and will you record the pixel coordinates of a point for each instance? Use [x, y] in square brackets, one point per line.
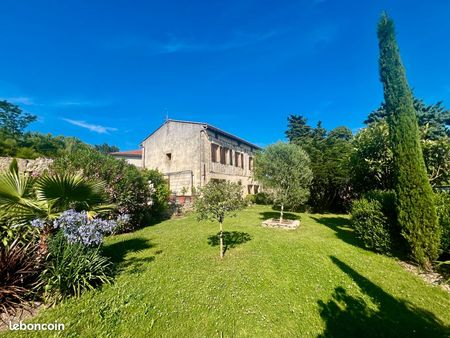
[274, 214]
[231, 239]
[119, 250]
[349, 316]
[342, 227]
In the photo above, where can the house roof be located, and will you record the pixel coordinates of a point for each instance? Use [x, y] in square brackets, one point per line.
[131, 153]
[209, 127]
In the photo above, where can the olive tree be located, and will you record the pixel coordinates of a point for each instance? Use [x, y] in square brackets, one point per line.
[284, 170]
[217, 200]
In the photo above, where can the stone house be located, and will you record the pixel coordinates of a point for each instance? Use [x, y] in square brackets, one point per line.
[131, 156]
[190, 154]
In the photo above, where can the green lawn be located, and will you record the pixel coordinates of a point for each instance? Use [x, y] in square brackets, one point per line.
[313, 281]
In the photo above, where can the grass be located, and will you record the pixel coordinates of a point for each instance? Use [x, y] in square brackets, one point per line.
[312, 281]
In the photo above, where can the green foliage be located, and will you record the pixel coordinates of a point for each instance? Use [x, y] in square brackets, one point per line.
[218, 200]
[435, 118]
[160, 192]
[125, 185]
[386, 198]
[416, 213]
[372, 159]
[436, 153]
[329, 152]
[19, 270]
[442, 201]
[263, 198]
[71, 269]
[170, 268]
[105, 148]
[250, 199]
[12, 119]
[284, 169]
[371, 225]
[23, 198]
[33, 144]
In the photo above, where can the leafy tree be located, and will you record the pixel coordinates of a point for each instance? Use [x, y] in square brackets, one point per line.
[416, 213]
[105, 148]
[218, 200]
[434, 118]
[298, 130]
[13, 120]
[330, 188]
[284, 169]
[371, 159]
[125, 185]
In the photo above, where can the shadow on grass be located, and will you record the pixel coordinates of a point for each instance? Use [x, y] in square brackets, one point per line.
[341, 227]
[349, 316]
[276, 214]
[230, 239]
[119, 250]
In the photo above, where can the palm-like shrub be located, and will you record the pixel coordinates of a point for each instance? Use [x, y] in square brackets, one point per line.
[23, 198]
[19, 270]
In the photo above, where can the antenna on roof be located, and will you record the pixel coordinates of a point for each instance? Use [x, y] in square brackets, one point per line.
[167, 114]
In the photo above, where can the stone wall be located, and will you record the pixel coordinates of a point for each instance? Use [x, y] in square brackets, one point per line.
[34, 167]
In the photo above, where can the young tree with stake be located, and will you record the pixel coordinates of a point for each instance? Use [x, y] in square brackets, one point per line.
[218, 200]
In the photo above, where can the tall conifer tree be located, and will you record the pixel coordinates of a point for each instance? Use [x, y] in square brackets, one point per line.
[416, 214]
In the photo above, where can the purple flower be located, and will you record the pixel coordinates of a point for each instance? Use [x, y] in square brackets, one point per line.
[38, 223]
[79, 228]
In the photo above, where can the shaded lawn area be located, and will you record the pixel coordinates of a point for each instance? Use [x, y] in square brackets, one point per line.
[312, 281]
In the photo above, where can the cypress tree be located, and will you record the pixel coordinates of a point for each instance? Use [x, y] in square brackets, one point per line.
[416, 213]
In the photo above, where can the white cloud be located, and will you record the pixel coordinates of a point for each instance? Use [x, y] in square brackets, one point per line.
[27, 101]
[92, 127]
[174, 44]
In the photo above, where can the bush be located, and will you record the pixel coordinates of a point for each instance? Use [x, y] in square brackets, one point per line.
[263, 198]
[371, 225]
[159, 189]
[442, 201]
[19, 270]
[125, 185]
[250, 199]
[72, 268]
[387, 200]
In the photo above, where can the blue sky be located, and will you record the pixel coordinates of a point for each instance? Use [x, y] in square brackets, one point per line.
[110, 71]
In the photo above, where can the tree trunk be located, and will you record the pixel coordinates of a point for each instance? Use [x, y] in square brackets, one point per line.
[221, 240]
[281, 213]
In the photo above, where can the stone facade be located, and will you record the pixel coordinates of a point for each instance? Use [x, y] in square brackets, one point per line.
[34, 167]
[190, 154]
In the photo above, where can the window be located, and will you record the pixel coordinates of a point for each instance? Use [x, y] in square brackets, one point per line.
[236, 158]
[256, 189]
[242, 161]
[249, 188]
[214, 152]
[169, 156]
[230, 157]
[223, 155]
[250, 163]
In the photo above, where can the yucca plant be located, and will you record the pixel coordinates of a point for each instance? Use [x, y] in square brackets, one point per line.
[19, 269]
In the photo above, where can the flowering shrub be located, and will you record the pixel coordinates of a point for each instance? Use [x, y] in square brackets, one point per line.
[123, 224]
[77, 227]
[125, 185]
